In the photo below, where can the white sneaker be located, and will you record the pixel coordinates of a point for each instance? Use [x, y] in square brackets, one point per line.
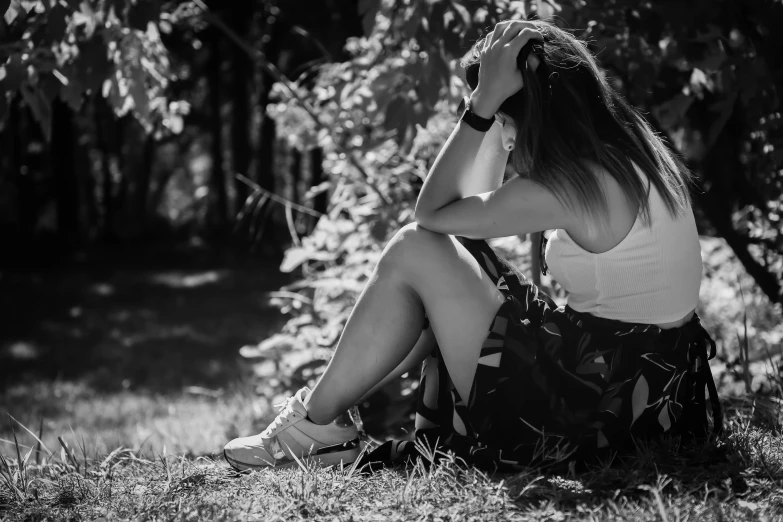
[293, 434]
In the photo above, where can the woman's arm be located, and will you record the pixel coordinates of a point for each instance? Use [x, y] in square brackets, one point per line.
[520, 206]
[470, 163]
[459, 170]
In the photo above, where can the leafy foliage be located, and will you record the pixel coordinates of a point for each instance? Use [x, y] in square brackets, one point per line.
[111, 48]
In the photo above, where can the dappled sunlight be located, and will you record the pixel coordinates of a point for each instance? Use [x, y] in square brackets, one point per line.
[102, 289]
[137, 329]
[193, 420]
[20, 350]
[188, 279]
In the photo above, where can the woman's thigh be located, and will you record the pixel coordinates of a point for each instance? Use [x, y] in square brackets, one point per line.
[460, 299]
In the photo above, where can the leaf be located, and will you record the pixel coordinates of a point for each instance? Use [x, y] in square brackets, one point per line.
[4, 5]
[40, 107]
[317, 189]
[72, 94]
[139, 94]
[29, 5]
[367, 10]
[641, 393]
[56, 23]
[118, 6]
[293, 258]
[711, 62]
[11, 11]
[50, 86]
[15, 73]
[270, 347]
[398, 117]
[463, 13]
[672, 112]
[380, 229]
[86, 17]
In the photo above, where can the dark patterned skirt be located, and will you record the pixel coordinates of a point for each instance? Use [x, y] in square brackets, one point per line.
[553, 384]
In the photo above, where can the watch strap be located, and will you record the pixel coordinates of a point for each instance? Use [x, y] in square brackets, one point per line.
[474, 120]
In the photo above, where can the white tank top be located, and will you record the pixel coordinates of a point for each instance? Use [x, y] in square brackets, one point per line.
[652, 276]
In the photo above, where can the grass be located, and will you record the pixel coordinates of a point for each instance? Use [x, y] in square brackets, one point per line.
[130, 378]
[739, 477]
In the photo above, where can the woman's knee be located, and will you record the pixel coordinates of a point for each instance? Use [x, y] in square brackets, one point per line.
[412, 245]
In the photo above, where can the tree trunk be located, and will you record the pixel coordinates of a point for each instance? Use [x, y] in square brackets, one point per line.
[320, 201]
[267, 132]
[219, 208]
[143, 179]
[722, 163]
[26, 204]
[714, 207]
[62, 164]
[120, 128]
[103, 128]
[240, 139]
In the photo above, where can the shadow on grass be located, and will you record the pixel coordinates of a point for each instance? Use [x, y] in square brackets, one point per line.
[155, 320]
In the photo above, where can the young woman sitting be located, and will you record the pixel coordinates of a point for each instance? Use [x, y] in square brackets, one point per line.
[506, 372]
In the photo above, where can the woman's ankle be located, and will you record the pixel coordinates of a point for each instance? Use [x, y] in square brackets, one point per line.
[322, 420]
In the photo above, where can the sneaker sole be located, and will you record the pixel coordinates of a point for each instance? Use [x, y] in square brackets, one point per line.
[326, 456]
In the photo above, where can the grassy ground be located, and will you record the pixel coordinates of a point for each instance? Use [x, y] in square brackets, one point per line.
[138, 349]
[739, 478]
[140, 352]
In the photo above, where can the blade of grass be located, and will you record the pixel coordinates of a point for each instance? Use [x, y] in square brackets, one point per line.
[301, 465]
[27, 457]
[19, 460]
[743, 346]
[9, 480]
[33, 434]
[84, 455]
[38, 445]
[72, 460]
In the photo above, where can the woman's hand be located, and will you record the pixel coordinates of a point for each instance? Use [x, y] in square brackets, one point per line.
[499, 76]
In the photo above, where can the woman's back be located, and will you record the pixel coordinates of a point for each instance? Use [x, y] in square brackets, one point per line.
[651, 275]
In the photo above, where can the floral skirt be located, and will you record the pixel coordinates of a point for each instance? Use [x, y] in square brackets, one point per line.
[554, 384]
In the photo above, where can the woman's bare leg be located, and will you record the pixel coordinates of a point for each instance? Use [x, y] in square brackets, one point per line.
[412, 361]
[418, 270]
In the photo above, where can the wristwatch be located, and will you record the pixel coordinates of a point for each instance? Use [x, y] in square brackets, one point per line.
[473, 119]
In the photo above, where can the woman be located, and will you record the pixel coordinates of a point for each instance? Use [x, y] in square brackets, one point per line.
[507, 375]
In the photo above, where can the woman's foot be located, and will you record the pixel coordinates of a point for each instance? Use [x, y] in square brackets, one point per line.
[291, 435]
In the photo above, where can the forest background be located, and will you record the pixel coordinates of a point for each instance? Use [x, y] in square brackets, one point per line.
[193, 193]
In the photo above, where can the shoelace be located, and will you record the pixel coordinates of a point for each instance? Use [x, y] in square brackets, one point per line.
[285, 409]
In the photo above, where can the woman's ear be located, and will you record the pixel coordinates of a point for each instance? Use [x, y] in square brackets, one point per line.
[508, 135]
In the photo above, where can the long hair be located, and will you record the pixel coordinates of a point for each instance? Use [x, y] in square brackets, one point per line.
[568, 114]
